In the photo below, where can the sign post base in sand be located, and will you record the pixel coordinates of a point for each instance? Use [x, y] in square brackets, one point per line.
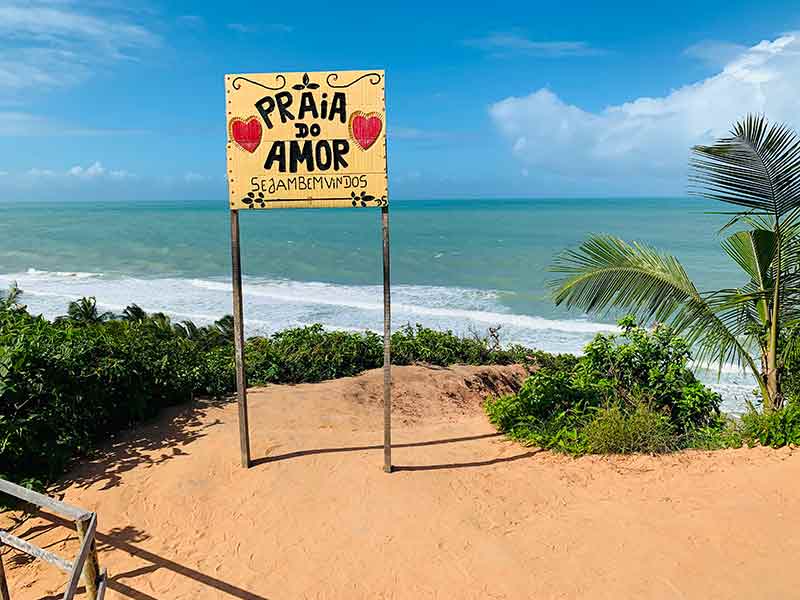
[307, 140]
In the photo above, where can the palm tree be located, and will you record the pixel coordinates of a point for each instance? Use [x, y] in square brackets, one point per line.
[756, 169]
[188, 330]
[84, 311]
[134, 313]
[219, 333]
[160, 322]
[11, 299]
[224, 328]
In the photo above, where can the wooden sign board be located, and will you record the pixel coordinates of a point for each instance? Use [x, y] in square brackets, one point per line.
[306, 140]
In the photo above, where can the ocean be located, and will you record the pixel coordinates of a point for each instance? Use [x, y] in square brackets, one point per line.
[463, 265]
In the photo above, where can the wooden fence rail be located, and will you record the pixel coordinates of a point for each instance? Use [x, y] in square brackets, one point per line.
[85, 563]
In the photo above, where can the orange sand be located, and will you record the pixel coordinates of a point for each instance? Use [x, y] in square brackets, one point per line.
[467, 515]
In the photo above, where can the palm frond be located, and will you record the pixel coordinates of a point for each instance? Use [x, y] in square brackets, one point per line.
[723, 327]
[754, 252]
[606, 273]
[757, 168]
[790, 353]
[134, 313]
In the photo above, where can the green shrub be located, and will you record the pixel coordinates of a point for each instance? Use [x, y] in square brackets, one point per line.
[726, 433]
[774, 428]
[217, 372]
[311, 354]
[548, 411]
[545, 393]
[652, 365]
[641, 430]
[62, 386]
[423, 345]
[628, 392]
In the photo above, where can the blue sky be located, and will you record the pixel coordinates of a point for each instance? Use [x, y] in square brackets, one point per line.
[102, 101]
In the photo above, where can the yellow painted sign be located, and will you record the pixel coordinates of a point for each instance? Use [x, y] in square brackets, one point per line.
[306, 140]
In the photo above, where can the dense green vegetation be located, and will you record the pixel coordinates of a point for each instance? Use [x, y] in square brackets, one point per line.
[64, 385]
[627, 393]
[310, 354]
[68, 384]
[632, 392]
[757, 171]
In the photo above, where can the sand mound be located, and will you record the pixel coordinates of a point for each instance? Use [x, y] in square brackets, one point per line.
[467, 515]
[418, 393]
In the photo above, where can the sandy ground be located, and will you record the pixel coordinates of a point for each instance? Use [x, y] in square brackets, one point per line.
[466, 515]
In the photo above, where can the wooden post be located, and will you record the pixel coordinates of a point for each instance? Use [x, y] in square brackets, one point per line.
[91, 568]
[4, 595]
[238, 340]
[387, 337]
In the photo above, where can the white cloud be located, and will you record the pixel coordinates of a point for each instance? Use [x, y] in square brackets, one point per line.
[57, 24]
[96, 170]
[652, 136]
[500, 45]
[52, 44]
[714, 53]
[17, 123]
[93, 170]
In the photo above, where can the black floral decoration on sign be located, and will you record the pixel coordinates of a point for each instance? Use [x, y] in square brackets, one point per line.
[365, 199]
[307, 84]
[251, 200]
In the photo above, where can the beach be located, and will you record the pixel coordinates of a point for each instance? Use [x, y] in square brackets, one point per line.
[467, 514]
[541, 343]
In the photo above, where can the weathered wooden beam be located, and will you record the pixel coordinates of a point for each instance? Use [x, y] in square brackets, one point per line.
[238, 339]
[91, 568]
[31, 550]
[61, 508]
[4, 595]
[77, 568]
[387, 338]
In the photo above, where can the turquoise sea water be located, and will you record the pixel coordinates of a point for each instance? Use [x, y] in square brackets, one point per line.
[457, 264]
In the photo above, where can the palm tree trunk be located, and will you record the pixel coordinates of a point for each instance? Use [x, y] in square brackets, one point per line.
[774, 399]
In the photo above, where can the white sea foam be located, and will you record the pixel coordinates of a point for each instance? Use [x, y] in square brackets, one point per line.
[33, 273]
[272, 304]
[412, 300]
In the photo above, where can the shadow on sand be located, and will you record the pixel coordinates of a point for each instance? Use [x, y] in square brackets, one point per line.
[175, 428]
[124, 539]
[152, 444]
[437, 467]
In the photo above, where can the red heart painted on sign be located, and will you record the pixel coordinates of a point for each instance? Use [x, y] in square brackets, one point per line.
[365, 129]
[246, 133]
